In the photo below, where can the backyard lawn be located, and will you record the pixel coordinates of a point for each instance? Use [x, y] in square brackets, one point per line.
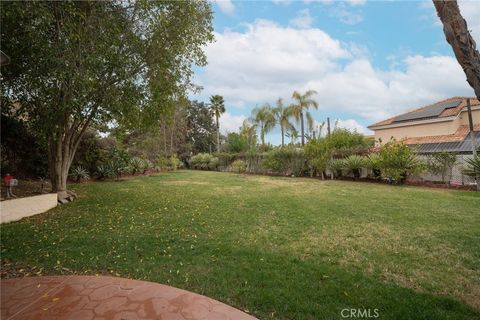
[275, 247]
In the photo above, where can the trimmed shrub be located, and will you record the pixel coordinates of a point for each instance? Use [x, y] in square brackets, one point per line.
[286, 160]
[239, 166]
[336, 166]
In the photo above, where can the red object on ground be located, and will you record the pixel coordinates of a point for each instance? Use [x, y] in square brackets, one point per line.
[90, 297]
[7, 179]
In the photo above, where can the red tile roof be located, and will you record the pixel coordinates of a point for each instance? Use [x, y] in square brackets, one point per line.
[459, 135]
[445, 113]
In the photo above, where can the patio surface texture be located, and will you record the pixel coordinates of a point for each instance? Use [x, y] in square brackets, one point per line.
[91, 297]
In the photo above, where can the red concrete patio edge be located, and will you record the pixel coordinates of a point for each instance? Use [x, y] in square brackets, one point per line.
[91, 297]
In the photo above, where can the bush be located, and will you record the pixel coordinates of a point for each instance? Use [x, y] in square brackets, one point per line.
[239, 166]
[354, 164]
[318, 153]
[336, 166]
[373, 162]
[442, 163]
[213, 163]
[473, 167]
[175, 163]
[286, 160]
[80, 174]
[136, 165]
[397, 161]
[204, 161]
[104, 171]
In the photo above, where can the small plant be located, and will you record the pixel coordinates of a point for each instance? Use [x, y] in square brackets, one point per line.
[79, 174]
[373, 162]
[239, 166]
[442, 163]
[354, 164]
[336, 166]
[473, 167]
[174, 162]
[136, 165]
[213, 163]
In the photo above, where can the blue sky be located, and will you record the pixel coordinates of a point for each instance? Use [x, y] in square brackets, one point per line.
[366, 59]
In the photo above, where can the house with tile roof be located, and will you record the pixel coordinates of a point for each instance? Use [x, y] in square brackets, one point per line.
[441, 126]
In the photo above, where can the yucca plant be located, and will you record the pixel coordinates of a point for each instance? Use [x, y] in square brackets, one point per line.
[136, 165]
[473, 167]
[354, 164]
[80, 174]
[336, 166]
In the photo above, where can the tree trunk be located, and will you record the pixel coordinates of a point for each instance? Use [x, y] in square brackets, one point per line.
[218, 133]
[302, 128]
[458, 36]
[283, 139]
[60, 159]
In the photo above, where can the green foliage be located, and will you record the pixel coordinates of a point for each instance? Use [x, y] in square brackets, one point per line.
[201, 127]
[473, 167]
[287, 161]
[80, 174]
[239, 166]
[175, 163]
[336, 166]
[236, 143]
[442, 163]
[354, 164]
[341, 139]
[318, 152]
[204, 161]
[373, 162]
[264, 118]
[397, 161]
[83, 63]
[136, 165]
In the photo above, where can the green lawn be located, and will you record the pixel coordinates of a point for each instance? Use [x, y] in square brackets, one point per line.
[278, 247]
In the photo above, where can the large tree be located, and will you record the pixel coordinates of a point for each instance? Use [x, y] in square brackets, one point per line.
[217, 105]
[264, 118]
[302, 102]
[282, 116]
[77, 64]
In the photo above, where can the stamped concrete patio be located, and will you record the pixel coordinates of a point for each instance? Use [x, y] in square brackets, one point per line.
[90, 297]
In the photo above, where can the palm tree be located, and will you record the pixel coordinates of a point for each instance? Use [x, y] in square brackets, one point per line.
[249, 131]
[282, 117]
[292, 133]
[263, 116]
[217, 106]
[302, 103]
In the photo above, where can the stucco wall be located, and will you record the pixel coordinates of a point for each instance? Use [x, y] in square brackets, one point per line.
[429, 129]
[16, 209]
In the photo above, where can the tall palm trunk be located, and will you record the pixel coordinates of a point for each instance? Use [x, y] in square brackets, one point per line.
[302, 128]
[218, 133]
[283, 135]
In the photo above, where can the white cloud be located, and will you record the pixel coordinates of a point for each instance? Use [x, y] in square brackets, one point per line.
[226, 6]
[470, 10]
[356, 2]
[268, 61]
[230, 123]
[346, 15]
[350, 124]
[302, 20]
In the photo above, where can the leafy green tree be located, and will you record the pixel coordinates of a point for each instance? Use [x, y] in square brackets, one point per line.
[397, 161]
[236, 143]
[200, 127]
[217, 105]
[265, 119]
[249, 132]
[282, 116]
[86, 63]
[442, 163]
[299, 110]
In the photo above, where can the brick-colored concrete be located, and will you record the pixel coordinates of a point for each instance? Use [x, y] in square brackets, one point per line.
[89, 297]
[16, 209]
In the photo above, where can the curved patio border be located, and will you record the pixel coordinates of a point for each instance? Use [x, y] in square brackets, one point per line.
[101, 297]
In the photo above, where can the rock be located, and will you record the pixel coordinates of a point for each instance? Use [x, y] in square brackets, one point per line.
[62, 201]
